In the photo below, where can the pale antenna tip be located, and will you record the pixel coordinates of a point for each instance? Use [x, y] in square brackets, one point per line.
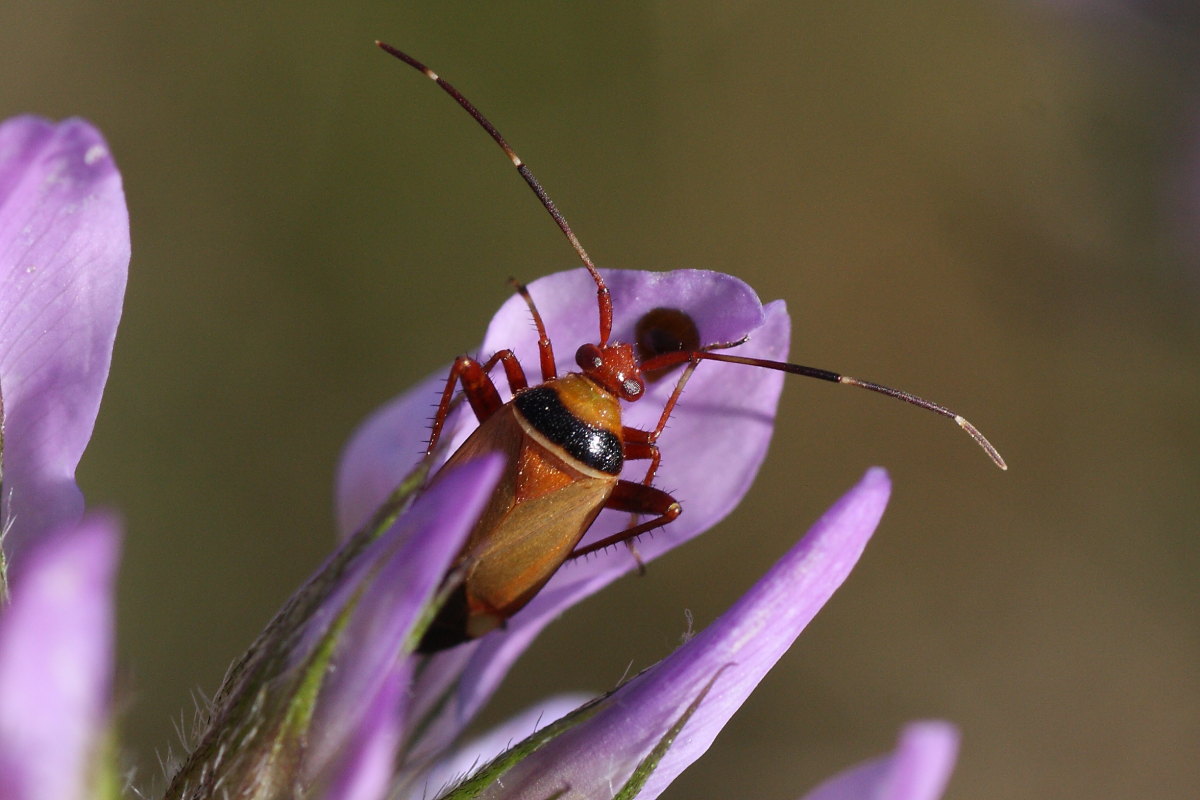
[982, 441]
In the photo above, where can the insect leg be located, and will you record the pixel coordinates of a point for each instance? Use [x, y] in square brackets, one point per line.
[636, 498]
[513, 370]
[640, 444]
[478, 388]
[545, 349]
[639, 447]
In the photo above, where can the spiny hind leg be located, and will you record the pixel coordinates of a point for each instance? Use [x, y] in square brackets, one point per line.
[637, 499]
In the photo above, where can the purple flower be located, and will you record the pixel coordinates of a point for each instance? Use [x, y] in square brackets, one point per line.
[396, 579]
[56, 664]
[712, 449]
[359, 589]
[331, 673]
[64, 252]
[64, 255]
[333, 702]
[642, 736]
[918, 769]
[363, 770]
[636, 740]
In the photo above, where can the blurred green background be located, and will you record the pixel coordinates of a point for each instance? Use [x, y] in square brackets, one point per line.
[985, 203]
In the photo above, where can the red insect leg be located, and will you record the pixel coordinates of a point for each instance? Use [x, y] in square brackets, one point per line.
[478, 388]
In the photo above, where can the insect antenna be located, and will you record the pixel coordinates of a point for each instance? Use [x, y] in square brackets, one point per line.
[679, 357]
[602, 295]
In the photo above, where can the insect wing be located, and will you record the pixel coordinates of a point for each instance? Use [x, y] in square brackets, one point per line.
[540, 509]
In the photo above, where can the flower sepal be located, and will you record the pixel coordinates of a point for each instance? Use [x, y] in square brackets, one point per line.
[490, 773]
[287, 710]
[489, 776]
[265, 703]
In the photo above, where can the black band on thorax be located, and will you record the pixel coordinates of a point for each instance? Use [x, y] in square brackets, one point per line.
[598, 449]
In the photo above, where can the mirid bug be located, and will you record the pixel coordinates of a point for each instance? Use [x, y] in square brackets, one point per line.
[565, 443]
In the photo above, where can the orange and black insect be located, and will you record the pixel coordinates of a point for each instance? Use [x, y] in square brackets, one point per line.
[565, 443]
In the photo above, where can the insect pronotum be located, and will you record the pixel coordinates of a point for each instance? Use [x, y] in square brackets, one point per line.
[564, 441]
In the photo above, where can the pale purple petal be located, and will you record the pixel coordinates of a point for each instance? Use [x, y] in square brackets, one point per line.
[918, 769]
[733, 654]
[56, 662]
[382, 451]
[64, 255]
[482, 749]
[364, 768]
[389, 585]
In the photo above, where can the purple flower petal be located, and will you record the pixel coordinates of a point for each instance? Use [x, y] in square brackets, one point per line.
[712, 449]
[918, 769]
[56, 662]
[64, 255]
[731, 655]
[383, 450]
[390, 585]
[364, 769]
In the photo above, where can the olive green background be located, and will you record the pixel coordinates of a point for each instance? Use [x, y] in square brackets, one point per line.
[975, 201]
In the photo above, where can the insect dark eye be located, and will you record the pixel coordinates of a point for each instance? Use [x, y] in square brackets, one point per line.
[665, 330]
[588, 356]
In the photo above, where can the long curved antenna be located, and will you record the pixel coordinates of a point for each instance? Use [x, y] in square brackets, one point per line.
[602, 295]
[679, 357]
